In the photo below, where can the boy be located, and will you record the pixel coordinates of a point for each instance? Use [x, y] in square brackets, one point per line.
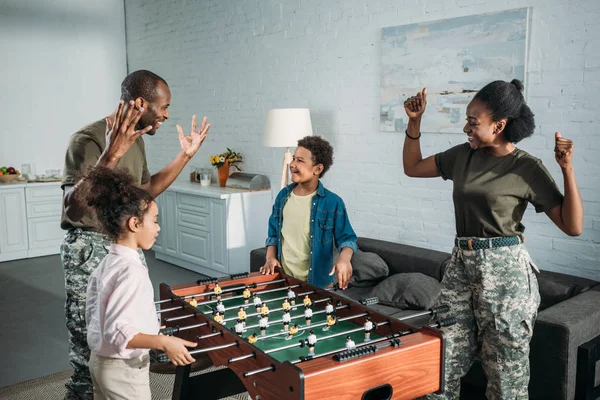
[308, 221]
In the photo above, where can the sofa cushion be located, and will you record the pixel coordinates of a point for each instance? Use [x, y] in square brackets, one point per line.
[412, 290]
[367, 269]
[556, 287]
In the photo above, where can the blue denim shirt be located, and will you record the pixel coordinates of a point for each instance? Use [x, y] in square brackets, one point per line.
[329, 226]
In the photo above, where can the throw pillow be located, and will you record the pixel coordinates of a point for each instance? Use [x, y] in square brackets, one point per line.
[414, 291]
[367, 269]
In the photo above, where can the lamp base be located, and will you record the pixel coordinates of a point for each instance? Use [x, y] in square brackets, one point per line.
[285, 170]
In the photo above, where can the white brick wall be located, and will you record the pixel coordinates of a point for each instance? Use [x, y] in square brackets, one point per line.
[233, 60]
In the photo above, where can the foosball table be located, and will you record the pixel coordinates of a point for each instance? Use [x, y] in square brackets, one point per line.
[282, 338]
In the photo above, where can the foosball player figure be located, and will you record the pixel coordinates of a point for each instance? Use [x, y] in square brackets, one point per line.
[286, 305]
[308, 313]
[218, 291]
[307, 301]
[220, 307]
[193, 302]
[242, 315]
[219, 318]
[329, 308]
[239, 327]
[331, 321]
[247, 294]
[264, 309]
[312, 341]
[293, 330]
[368, 328]
[291, 296]
[350, 345]
[252, 338]
[263, 324]
[257, 302]
[286, 318]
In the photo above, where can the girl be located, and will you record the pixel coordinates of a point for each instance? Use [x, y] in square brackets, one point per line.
[120, 314]
[489, 284]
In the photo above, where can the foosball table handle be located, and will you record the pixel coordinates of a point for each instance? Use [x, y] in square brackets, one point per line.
[170, 331]
[208, 280]
[239, 276]
[446, 322]
[442, 308]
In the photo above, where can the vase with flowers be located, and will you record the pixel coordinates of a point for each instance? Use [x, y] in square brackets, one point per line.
[223, 162]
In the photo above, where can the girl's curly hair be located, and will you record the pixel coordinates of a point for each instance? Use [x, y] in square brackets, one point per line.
[114, 197]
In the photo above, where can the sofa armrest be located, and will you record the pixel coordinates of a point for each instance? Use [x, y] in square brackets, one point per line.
[559, 331]
[257, 258]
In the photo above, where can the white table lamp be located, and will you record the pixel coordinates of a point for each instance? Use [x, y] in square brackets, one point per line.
[283, 128]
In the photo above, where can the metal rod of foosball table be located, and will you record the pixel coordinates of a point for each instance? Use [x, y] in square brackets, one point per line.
[164, 358]
[164, 310]
[299, 316]
[302, 343]
[432, 311]
[249, 305]
[341, 349]
[231, 308]
[240, 358]
[258, 371]
[214, 348]
[266, 369]
[280, 308]
[271, 368]
[214, 301]
[209, 335]
[170, 331]
[437, 324]
[227, 289]
[318, 324]
[202, 303]
[180, 317]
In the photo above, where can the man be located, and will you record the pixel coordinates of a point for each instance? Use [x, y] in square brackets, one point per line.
[114, 141]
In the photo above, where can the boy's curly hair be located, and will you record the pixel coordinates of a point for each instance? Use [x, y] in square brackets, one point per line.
[322, 151]
[114, 198]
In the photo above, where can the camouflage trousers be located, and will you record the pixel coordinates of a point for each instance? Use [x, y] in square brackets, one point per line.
[494, 295]
[81, 253]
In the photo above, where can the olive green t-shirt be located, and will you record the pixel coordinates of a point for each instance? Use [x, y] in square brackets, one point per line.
[85, 148]
[491, 193]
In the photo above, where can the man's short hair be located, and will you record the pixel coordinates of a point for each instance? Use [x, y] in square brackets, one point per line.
[140, 83]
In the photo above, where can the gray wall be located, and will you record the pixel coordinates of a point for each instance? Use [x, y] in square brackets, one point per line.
[62, 66]
[233, 60]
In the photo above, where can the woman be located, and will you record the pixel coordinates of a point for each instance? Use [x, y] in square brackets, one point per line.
[489, 283]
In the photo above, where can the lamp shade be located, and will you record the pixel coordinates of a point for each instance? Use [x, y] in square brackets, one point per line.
[285, 126]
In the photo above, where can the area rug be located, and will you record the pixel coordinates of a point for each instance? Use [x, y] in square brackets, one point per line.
[52, 387]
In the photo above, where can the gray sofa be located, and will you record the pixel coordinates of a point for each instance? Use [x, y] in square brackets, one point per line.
[569, 316]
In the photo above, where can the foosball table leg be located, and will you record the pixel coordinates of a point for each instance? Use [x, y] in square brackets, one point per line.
[203, 386]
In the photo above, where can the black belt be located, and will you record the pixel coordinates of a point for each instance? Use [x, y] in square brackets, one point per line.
[488, 243]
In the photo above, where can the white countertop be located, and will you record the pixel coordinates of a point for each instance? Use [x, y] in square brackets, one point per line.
[214, 190]
[20, 184]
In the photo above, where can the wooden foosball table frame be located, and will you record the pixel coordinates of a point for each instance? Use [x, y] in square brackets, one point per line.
[404, 363]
